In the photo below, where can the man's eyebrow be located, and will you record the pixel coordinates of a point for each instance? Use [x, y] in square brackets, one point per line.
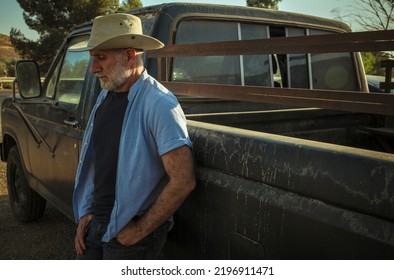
[97, 54]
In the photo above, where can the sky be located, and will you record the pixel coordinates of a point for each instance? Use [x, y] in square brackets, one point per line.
[11, 13]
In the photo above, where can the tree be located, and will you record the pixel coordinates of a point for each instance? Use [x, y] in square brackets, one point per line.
[130, 4]
[53, 20]
[270, 4]
[370, 15]
[374, 14]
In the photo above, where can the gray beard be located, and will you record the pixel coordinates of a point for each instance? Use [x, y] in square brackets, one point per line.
[117, 77]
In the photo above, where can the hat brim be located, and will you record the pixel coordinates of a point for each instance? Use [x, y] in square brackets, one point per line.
[141, 42]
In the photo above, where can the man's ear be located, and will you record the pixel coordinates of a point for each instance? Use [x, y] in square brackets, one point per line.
[130, 54]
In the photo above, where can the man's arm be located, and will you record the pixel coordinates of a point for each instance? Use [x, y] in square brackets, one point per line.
[180, 168]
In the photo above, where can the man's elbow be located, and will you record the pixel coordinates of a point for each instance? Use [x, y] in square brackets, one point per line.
[192, 184]
[189, 184]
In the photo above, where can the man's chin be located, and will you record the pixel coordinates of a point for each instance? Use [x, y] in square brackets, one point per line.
[106, 86]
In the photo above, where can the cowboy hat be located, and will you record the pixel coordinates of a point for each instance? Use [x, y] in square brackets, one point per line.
[117, 31]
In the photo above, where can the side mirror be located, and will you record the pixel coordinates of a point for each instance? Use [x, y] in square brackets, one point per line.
[28, 79]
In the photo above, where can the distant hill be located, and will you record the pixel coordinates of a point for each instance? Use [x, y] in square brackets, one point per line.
[7, 51]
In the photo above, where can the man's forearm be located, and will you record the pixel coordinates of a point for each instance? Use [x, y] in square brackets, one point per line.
[180, 169]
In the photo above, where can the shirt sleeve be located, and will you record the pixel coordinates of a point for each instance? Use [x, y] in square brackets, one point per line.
[169, 125]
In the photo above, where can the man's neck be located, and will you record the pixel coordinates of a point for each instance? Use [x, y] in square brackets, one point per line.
[136, 73]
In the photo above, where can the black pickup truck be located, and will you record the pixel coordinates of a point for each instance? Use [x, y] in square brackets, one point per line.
[275, 180]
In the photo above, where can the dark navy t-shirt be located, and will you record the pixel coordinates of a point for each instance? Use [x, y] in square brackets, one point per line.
[106, 135]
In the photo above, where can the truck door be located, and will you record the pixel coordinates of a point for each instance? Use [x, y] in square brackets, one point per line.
[59, 121]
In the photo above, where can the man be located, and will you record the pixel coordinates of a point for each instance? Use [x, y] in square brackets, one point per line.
[136, 166]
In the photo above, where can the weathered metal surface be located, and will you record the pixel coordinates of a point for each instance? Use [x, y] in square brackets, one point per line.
[296, 199]
[336, 127]
[315, 169]
[230, 217]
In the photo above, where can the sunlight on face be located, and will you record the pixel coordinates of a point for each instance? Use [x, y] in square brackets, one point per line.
[116, 76]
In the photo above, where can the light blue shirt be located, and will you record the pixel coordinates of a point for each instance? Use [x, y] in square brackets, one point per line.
[153, 125]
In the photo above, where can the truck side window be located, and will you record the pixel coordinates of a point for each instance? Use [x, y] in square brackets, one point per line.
[51, 87]
[256, 68]
[71, 78]
[298, 63]
[236, 70]
[332, 71]
[68, 76]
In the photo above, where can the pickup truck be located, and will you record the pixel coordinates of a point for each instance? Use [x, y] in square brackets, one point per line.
[281, 173]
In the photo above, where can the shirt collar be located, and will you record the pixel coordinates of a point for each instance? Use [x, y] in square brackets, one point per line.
[137, 85]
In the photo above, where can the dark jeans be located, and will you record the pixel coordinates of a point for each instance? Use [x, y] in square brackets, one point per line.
[147, 249]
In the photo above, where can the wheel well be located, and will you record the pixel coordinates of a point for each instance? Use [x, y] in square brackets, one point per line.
[8, 143]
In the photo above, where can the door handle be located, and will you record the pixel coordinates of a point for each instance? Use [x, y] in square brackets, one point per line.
[72, 122]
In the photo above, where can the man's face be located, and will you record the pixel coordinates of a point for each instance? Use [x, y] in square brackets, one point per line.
[111, 67]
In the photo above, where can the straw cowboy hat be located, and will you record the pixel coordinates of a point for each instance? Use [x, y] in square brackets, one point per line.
[117, 31]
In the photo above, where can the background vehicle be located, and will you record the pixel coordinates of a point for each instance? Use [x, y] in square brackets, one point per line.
[374, 83]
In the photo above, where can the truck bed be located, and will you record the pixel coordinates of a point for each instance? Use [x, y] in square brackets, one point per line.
[263, 195]
[342, 128]
[357, 130]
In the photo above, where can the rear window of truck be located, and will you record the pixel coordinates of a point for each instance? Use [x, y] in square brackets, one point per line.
[333, 71]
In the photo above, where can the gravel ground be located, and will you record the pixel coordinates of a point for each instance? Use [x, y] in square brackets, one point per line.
[52, 237]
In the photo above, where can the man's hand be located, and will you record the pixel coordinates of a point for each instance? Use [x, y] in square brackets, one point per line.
[82, 228]
[130, 234]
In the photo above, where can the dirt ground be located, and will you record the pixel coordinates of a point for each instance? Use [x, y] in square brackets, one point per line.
[52, 237]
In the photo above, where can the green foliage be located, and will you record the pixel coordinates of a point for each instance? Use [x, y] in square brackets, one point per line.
[3, 69]
[44, 16]
[269, 4]
[130, 4]
[7, 69]
[372, 62]
[370, 15]
[8, 57]
[53, 20]
[10, 68]
[74, 69]
[369, 61]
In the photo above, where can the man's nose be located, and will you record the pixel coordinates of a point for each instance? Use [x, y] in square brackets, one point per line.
[95, 66]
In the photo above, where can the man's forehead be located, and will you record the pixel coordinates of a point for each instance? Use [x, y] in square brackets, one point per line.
[104, 52]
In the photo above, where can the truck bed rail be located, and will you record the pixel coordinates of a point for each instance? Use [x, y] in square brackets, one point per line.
[376, 103]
